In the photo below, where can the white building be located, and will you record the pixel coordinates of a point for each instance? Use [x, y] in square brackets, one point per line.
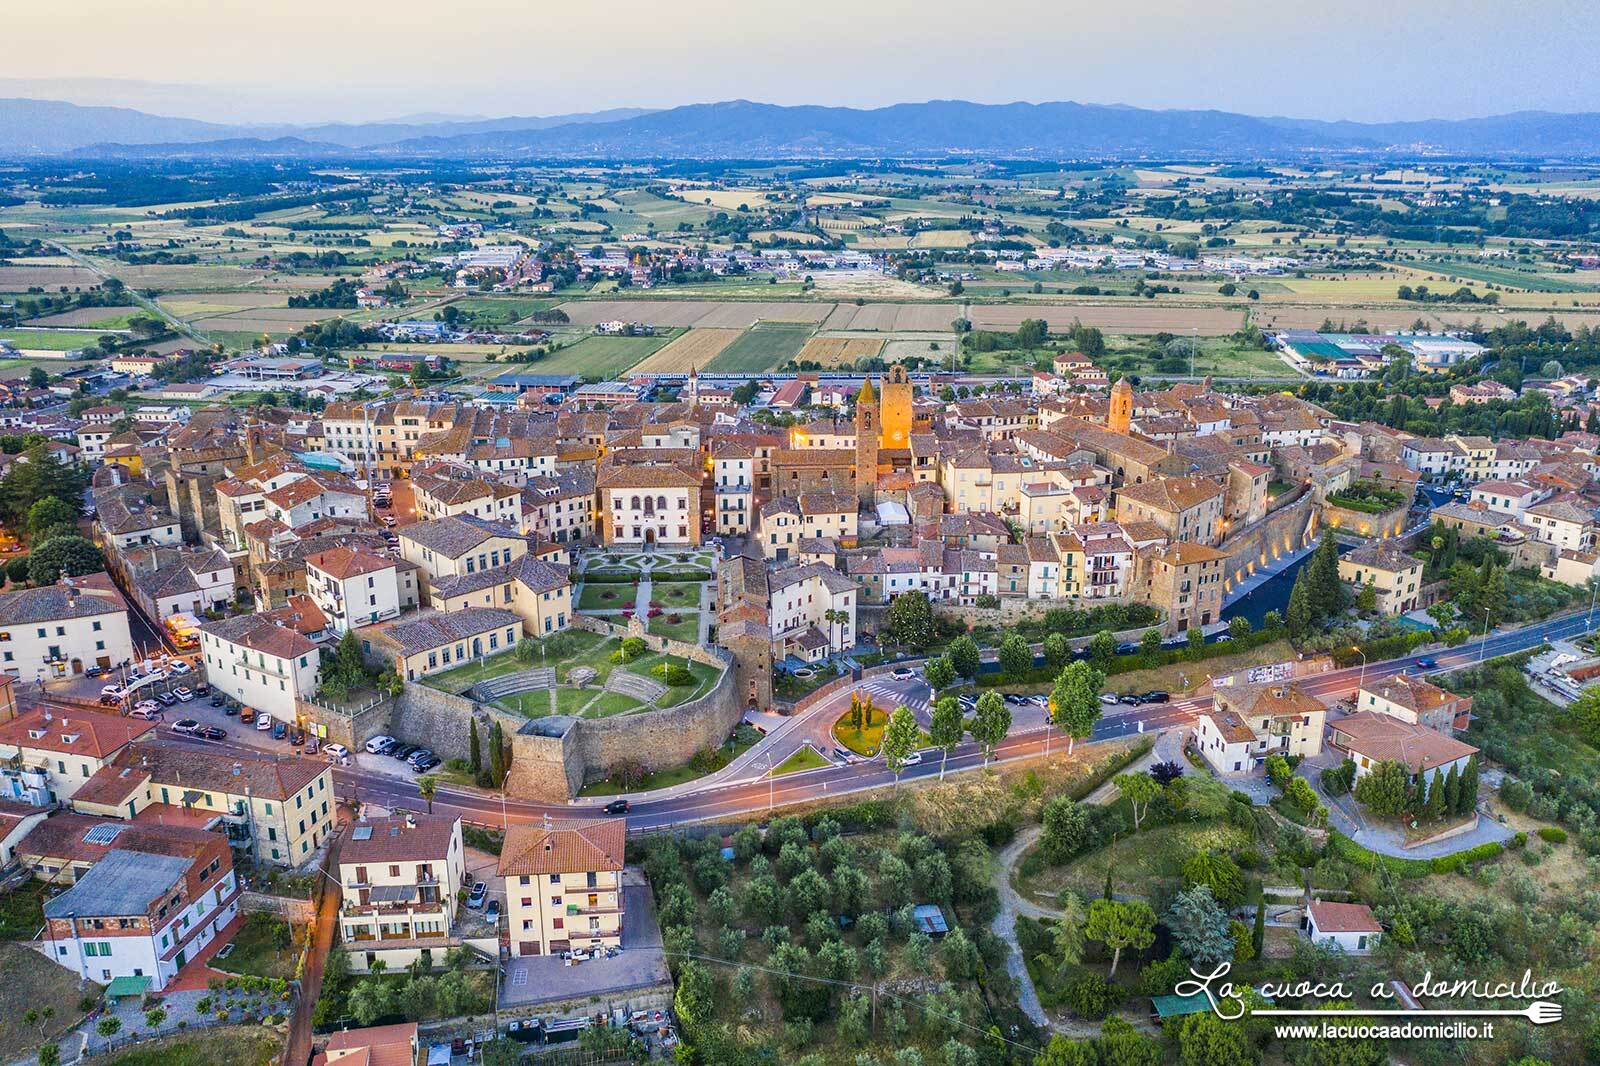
[402, 880]
[62, 750]
[63, 628]
[1350, 927]
[260, 662]
[353, 587]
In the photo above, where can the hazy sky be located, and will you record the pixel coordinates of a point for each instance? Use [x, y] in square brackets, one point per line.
[300, 60]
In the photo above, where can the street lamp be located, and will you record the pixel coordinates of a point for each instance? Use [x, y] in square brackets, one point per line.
[1362, 678]
[1484, 643]
[770, 780]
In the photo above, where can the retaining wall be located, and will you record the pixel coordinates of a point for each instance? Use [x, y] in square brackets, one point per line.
[1264, 540]
[1377, 526]
[290, 907]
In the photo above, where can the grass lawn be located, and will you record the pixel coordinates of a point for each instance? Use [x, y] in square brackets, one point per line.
[806, 758]
[866, 740]
[462, 678]
[766, 347]
[704, 677]
[33, 982]
[563, 651]
[687, 628]
[1180, 677]
[606, 597]
[594, 356]
[22, 911]
[49, 340]
[676, 593]
[609, 703]
[535, 704]
[234, 1046]
[255, 949]
[572, 700]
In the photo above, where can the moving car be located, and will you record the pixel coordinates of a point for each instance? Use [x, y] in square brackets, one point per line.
[618, 807]
[1427, 664]
[913, 759]
[185, 726]
[904, 673]
[480, 892]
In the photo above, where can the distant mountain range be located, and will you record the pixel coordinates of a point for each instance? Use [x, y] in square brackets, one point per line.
[740, 129]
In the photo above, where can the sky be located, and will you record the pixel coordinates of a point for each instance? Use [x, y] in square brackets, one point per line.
[308, 60]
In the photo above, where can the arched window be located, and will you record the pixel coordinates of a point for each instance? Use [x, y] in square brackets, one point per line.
[634, 503]
[661, 503]
[649, 506]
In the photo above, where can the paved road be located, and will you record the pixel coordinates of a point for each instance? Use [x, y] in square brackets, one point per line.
[743, 787]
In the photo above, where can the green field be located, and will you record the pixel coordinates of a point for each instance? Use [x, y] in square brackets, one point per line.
[1500, 275]
[761, 348]
[48, 340]
[597, 357]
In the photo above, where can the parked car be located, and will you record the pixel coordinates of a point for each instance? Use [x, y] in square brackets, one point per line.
[217, 700]
[145, 713]
[109, 701]
[1110, 699]
[967, 701]
[279, 730]
[492, 912]
[246, 714]
[1016, 699]
[479, 893]
[94, 671]
[185, 726]
[1156, 697]
[202, 689]
[1132, 699]
[904, 673]
[376, 743]
[1127, 647]
[418, 755]
[404, 751]
[113, 691]
[179, 667]
[167, 699]
[263, 722]
[183, 694]
[147, 705]
[618, 807]
[337, 751]
[426, 763]
[212, 732]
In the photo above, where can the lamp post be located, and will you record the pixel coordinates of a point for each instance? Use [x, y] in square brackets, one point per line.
[1362, 677]
[1484, 643]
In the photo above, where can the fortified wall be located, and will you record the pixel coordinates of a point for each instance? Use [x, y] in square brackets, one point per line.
[1282, 531]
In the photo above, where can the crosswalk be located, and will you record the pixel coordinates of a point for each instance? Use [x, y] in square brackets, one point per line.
[885, 695]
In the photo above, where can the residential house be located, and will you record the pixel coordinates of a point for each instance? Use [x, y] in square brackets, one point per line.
[1247, 723]
[60, 750]
[1348, 927]
[1394, 575]
[1411, 699]
[564, 886]
[402, 878]
[1369, 738]
[59, 629]
[262, 661]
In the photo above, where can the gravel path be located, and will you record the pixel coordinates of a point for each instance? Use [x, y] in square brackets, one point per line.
[1005, 924]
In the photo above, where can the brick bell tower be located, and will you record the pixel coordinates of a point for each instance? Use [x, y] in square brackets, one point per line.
[1120, 416]
[868, 427]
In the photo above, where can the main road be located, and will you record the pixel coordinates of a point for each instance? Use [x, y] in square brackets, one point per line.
[757, 791]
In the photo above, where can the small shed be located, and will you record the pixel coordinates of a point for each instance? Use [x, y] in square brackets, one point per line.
[1178, 1006]
[929, 919]
[1350, 927]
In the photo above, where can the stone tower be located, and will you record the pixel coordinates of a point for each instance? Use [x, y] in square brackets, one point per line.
[896, 408]
[868, 426]
[1120, 417]
[691, 390]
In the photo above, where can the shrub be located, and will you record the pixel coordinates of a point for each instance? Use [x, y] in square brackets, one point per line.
[1553, 834]
[675, 674]
[628, 774]
[1092, 997]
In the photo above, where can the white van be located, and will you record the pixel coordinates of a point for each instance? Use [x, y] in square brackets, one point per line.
[377, 742]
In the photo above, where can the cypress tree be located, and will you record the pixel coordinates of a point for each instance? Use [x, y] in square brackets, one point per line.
[1435, 807]
[1258, 936]
[1300, 617]
[1326, 591]
[1452, 791]
[1469, 787]
[476, 756]
[1108, 883]
[496, 756]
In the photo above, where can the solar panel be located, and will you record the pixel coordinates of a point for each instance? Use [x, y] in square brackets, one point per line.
[104, 833]
[361, 832]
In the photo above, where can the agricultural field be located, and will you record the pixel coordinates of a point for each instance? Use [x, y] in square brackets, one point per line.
[839, 351]
[1142, 318]
[23, 278]
[596, 356]
[49, 340]
[106, 318]
[893, 318]
[763, 347]
[695, 348]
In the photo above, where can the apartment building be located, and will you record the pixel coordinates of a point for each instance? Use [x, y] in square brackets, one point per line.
[141, 913]
[402, 879]
[63, 628]
[459, 545]
[435, 642]
[1247, 723]
[278, 809]
[353, 587]
[1411, 699]
[60, 751]
[564, 886]
[1188, 509]
[1394, 575]
[262, 661]
[1185, 580]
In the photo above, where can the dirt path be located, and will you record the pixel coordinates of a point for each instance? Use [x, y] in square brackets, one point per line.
[298, 1050]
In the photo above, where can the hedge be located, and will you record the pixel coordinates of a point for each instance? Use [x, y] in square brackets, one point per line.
[609, 577]
[1553, 834]
[680, 575]
[1342, 847]
[1384, 647]
[1123, 664]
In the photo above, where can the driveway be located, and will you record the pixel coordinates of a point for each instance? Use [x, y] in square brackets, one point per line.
[640, 964]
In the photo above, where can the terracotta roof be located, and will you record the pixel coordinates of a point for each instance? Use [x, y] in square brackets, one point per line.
[342, 563]
[435, 631]
[85, 732]
[1230, 726]
[1274, 699]
[1343, 917]
[1384, 555]
[455, 535]
[381, 1045]
[531, 849]
[1382, 737]
[264, 776]
[425, 836]
[1412, 693]
[1174, 494]
[261, 633]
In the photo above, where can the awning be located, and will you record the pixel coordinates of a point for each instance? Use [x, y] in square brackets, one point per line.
[127, 987]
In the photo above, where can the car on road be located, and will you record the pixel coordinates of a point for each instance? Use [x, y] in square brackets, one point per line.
[479, 893]
[212, 732]
[912, 759]
[179, 667]
[378, 742]
[618, 807]
[185, 726]
[1427, 664]
[95, 671]
[904, 673]
[167, 699]
[1110, 699]
[183, 694]
[1127, 647]
[426, 763]
[1156, 697]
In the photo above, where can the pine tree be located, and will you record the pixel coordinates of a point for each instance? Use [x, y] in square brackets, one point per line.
[1469, 787]
[1452, 791]
[1326, 591]
[1300, 620]
[475, 757]
[1434, 808]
